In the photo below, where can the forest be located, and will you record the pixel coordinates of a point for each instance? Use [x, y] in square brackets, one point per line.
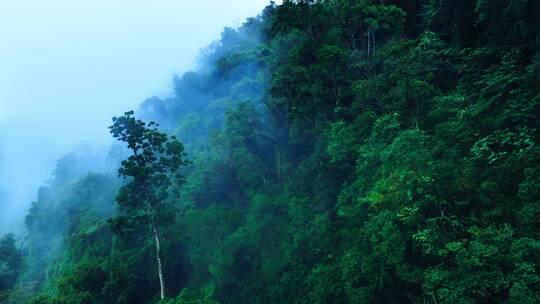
[325, 151]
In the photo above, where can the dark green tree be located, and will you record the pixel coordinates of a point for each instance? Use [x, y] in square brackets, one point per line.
[10, 264]
[151, 169]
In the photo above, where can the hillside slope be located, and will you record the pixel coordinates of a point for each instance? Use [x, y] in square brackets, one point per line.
[342, 151]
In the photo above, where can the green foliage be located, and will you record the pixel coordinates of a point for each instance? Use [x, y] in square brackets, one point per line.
[344, 151]
[10, 265]
[151, 168]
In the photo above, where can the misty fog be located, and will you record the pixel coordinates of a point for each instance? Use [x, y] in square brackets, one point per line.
[67, 67]
[299, 151]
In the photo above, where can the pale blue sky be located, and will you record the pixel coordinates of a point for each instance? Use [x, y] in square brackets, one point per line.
[67, 66]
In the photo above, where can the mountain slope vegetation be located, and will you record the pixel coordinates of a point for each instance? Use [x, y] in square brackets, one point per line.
[340, 151]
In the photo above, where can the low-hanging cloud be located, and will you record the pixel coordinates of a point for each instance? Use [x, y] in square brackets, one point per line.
[68, 67]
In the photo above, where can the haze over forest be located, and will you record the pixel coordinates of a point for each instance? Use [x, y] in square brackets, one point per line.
[304, 151]
[67, 67]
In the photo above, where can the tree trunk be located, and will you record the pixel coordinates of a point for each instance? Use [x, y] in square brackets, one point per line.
[160, 265]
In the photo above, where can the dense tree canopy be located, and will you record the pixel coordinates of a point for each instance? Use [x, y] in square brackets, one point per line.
[342, 151]
[10, 265]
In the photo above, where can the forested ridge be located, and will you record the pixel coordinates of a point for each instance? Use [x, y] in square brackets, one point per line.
[329, 151]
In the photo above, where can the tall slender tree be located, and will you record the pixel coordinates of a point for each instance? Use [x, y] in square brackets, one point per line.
[151, 169]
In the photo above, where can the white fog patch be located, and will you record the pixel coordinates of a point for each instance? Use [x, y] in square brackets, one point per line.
[67, 67]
